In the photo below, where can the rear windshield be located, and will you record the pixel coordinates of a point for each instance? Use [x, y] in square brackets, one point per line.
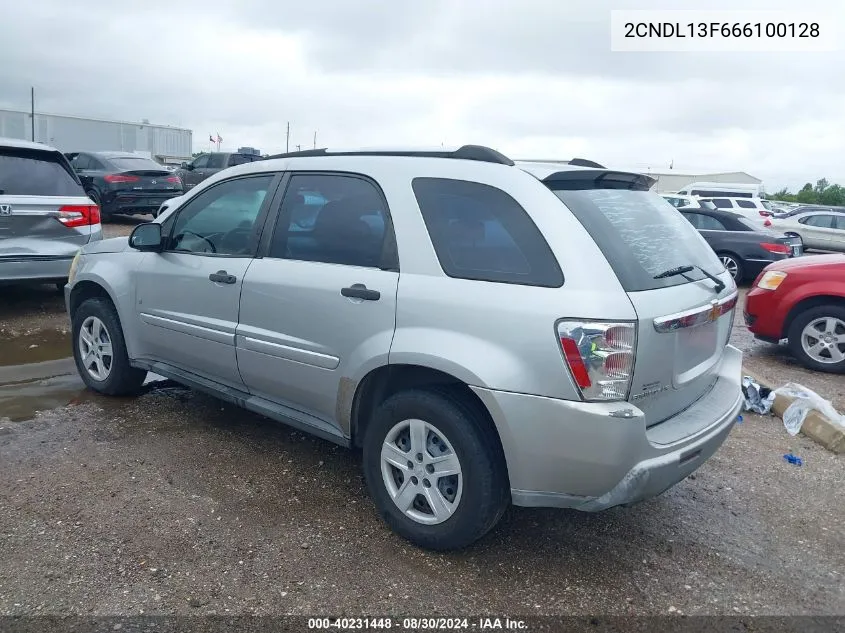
[35, 173]
[641, 235]
[130, 163]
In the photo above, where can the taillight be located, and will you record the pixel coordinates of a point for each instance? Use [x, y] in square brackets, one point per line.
[767, 223]
[79, 215]
[780, 249]
[173, 179]
[600, 357]
[112, 178]
[765, 214]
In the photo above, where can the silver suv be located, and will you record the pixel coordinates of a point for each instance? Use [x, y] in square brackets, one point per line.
[488, 333]
[45, 215]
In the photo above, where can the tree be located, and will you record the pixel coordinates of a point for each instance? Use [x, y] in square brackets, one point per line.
[822, 193]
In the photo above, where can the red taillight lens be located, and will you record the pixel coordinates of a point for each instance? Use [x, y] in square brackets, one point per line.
[781, 249]
[767, 223]
[79, 215]
[112, 178]
[765, 214]
[600, 357]
[173, 179]
[575, 362]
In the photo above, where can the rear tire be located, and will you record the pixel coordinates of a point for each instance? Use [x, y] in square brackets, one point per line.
[99, 350]
[437, 512]
[733, 265]
[817, 337]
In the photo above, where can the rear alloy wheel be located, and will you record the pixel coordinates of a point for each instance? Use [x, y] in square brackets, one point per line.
[434, 469]
[817, 338]
[732, 265]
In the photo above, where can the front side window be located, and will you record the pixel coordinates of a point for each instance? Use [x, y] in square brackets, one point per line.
[480, 232]
[722, 203]
[746, 204]
[333, 219]
[201, 162]
[217, 161]
[221, 220]
[709, 223]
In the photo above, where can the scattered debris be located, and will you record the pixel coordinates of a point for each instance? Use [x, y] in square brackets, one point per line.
[793, 459]
[757, 398]
[805, 400]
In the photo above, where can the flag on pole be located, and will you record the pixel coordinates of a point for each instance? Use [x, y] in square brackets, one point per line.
[211, 138]
[219, 138]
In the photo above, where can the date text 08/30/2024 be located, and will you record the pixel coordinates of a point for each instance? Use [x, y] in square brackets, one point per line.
[417, 624]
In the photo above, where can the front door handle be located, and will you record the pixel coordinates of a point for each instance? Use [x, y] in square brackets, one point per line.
[222, 277]
[360, 291]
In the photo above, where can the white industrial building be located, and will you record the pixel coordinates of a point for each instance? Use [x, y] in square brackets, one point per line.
[671, 180]
[164, 143]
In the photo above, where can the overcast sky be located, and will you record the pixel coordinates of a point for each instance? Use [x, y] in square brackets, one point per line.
[532, 78]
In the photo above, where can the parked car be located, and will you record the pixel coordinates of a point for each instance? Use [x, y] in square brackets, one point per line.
[206, 165]
[122, 182]
[755, 209]
[684, 202]
[723, 190]
[820, 229]
[743, 246]
[803, 301]
[540, 346]
[806, 208]
[45, 216]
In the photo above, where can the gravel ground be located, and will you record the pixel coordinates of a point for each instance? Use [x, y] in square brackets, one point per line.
[175, 503]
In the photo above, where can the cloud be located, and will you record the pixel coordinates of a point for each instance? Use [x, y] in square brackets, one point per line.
[534, 78]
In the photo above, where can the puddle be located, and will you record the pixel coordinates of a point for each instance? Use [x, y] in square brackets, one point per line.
[37, 373]
[44, 345]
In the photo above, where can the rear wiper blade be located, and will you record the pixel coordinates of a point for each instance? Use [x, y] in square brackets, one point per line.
[683, 270]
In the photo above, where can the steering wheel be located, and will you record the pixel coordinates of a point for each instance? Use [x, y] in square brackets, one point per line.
[204, 239]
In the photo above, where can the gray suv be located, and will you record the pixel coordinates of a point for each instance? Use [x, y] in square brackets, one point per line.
[487, 332]
[206, 165]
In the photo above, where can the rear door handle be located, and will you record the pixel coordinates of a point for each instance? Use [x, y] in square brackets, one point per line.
[222, 277]
[360, 291]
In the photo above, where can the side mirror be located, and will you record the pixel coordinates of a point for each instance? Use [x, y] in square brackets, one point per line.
[187, 166]
[146, 237]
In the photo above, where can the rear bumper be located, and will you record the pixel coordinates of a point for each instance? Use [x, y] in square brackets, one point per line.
[136, 201]
[589, 457]
[35, 268]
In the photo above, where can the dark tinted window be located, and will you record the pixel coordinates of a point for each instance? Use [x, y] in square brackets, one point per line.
[640, 235]
[217, 161]
[133, 163]
[708, 223]
[480, 232]
[334, 219]
[201, 162]
[221, 220]
[35, 173]
[238, 159]
[727, 194]
[746, 204]
[81, 161]
[821, 221]
[840, 222]
[721, 203]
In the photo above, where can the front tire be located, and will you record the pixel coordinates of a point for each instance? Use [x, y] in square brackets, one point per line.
[99, 350]
[434, 469]
[817, 338]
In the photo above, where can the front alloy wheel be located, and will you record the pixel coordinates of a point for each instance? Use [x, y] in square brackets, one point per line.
[421, 471]
[95, 348]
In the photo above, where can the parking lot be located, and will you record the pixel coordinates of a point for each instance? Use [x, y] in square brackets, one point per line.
[174, 502]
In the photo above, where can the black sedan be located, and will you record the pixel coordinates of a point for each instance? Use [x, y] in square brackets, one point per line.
[744, 247]
[120, 182]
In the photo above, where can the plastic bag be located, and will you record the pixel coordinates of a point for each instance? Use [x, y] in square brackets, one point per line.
[757, 399]
[805, 401]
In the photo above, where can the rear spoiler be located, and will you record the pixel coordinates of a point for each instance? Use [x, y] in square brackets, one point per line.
[580, 179]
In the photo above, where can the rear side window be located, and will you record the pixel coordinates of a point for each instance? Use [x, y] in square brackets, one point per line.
[640, 235]
[26, 172]
[216, 161]
[479, 232]
[709, 223]
[821, 221]
[746, 204]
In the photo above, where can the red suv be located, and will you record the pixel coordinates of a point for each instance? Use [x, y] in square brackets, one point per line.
[802, 300]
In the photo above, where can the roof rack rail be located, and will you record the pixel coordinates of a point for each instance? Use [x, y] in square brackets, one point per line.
[583, 162]
[466, 152]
